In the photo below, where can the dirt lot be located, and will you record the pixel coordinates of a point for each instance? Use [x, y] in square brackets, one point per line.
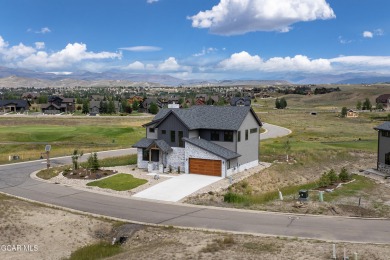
[57, 233]
[374, 201]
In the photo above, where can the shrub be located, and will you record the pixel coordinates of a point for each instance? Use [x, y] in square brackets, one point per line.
[344, 175]
[232, 197]
[332, 176]
[324, 180]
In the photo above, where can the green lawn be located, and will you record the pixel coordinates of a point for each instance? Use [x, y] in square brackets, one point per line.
[27, 137]
[119, 182]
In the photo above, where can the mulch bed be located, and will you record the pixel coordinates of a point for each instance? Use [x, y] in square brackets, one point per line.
[84, 174]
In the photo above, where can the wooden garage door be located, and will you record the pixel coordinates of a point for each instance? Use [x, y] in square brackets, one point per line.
[205, 167]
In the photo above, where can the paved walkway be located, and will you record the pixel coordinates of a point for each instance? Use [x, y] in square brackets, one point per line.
[178, 187]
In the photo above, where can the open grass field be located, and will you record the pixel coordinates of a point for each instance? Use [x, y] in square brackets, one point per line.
[27, 136]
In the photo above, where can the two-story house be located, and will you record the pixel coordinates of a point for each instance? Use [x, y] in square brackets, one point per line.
[383, 162]
[384, 100]
[205, 140]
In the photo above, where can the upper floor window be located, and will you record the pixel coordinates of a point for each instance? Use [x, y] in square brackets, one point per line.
[163, 132]
[151, 130]
[253, 130]
[214, 136]
[228, 136]
[239, 136]
[173, 136]
[386, 133]
[180, 136]
[246, 135]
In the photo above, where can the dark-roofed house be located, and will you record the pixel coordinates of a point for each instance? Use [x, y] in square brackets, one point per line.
[384, 100]
[58, 105]
[240, 101]
[206, 140]
[14, 106]
[383, 162]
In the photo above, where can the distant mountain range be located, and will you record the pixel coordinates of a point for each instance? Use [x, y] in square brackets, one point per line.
[10, 77]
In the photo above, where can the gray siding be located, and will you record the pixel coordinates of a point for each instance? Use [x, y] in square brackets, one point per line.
[384, 147]
[171, 123]
[206, 135]
[249, 149]
[151, 135]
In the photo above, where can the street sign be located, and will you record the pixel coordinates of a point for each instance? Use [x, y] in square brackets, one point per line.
[47, 148]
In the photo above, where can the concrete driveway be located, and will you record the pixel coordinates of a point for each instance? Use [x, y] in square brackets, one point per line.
[178, 187]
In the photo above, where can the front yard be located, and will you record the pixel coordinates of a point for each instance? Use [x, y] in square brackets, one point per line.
[119, 182]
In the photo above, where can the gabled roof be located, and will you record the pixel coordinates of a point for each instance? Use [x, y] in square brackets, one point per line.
[384, 127]
[383, 98]
[212, 148]
[18, 102]
[147, 143]
[208, 117]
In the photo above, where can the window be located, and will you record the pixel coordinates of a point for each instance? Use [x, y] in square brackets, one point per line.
[253, 130]
[387, 158]
[163, 132]
[151, 130]
[246, 134]
[228, 136]
[386, 133]
[180, 136]
[173, 136]
[214, 136]
[145, 155]
[239, 136]
[228, 164]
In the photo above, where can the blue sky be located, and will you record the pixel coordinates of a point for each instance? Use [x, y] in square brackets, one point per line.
[197, 39]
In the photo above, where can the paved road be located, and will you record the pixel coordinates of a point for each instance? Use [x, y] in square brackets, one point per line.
[15, 180]
[273, 131]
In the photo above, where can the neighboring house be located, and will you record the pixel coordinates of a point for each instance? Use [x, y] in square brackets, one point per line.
[139, 99]
[240, 101]
[384, 100]
[146, 104]
[204, 140]
[18, 106]
[95, 106]
[383, 162]
[352, 113]
[31, 96]
[57, 105]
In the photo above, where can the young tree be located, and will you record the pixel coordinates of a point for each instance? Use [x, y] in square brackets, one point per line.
[111, 107]
[277, 103]
[379, 106]
[103, 107]
[359, 105]
[135, 105]
[153, 108]
[287, 148]
[283, 103]
[93, 162]
[75, 158]
[85, 109]
[344, 112]
[367, 104]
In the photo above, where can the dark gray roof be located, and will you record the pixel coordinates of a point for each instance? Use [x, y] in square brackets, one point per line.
[146, 143]
[143, 143]
[18, 102]
[163, 145]
[212, 148]
[209, 117]
[385, 126]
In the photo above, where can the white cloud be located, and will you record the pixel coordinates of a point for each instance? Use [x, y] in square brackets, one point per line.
[141, 48]
[233, 17]
[362, 61]
[43, 30]
[39, 45]
[34, 57]
[151, 1]
[243, 61]
[368, 34]
[169, 64]
[205, 51]
[371, 34]
[137, 65]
